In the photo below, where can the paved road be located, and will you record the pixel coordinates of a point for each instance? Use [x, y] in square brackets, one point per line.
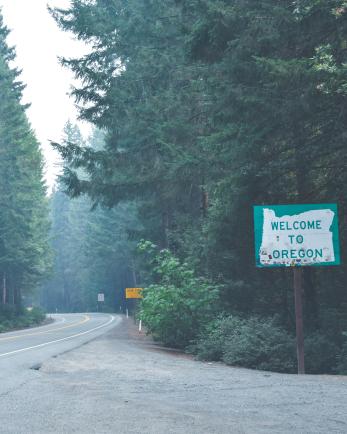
[66, 332]
[25, 349]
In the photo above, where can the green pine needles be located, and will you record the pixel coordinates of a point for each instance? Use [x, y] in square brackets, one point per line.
[24, 225]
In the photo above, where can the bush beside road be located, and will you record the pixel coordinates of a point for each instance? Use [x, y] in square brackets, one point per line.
[10, 319]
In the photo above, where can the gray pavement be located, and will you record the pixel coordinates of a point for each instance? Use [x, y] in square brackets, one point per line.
[34, 345]
[122, 383]
[24, 349]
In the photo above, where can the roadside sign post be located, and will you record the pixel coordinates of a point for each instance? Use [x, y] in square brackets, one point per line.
[134, 293]
[296, 236]
[299, 319]
[131, 293]
[101, 299]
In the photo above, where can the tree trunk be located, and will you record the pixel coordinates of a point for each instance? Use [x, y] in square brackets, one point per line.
[17, 298]
[204, 202]
[4, 290]
[310, 298]
[165, 225]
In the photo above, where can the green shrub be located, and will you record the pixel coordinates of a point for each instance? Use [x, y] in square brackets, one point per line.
[211, 341]
[7, 312]
[36, 315]
[10, 318]
[320, 354]
[259, 343]
[255, 343]
[175, 308]
[342, 359]
[7, 324]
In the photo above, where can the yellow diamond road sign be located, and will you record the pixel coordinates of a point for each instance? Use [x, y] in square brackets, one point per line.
[133, 293]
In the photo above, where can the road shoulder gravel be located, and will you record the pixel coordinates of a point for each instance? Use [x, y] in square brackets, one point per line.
[123, 383]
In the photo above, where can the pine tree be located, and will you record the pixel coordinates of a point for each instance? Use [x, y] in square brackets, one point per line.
[139, 87]
[219, 105]
[93, 248]
[24, 252]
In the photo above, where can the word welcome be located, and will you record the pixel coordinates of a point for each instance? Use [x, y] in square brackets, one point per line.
[296, 225]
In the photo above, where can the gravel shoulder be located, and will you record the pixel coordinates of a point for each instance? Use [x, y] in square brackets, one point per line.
[123, 383]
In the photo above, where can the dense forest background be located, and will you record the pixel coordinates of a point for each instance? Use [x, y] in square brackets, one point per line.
[208, 108]
[201, 110]
[93, 248]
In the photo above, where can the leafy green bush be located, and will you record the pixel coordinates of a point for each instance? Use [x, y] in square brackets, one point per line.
[211, 341]
[175, 308]
[342, 359]
[320, 354]
[11, 319]
[252, 343]
[36, 315]
[7, 312]
[260, 344]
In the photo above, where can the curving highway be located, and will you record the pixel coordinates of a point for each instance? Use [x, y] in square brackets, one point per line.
[67, 331]
[29, 348]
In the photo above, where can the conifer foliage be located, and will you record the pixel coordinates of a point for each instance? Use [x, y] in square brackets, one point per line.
[93, 246]
[24, 224]
[211, 107]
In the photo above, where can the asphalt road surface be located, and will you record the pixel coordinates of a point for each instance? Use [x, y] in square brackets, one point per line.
[27, 347]
[121, 382]
[23, 351]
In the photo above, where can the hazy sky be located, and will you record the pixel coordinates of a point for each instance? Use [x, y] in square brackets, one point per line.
[38, 43]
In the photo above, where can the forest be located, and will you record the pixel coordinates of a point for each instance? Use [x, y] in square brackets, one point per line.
[25, 254]
[201, 109]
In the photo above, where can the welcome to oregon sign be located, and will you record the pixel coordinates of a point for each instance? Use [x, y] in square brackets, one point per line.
[293, 235]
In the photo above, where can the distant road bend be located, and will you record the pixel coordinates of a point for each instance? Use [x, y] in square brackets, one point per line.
[33, 346]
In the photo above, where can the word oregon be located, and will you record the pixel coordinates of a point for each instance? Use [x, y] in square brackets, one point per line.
[296, 225]
[297, 254]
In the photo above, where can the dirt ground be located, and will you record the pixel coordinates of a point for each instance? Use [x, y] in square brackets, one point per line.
[121, 382]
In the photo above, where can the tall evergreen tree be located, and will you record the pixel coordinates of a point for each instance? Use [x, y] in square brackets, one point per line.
[211, 107]
[138, 86]
[24, 252]
[276, 74]
[93, 248]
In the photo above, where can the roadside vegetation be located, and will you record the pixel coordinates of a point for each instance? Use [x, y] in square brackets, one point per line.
[184, 311]
[204, 109]
[11, 319]
[176, 307]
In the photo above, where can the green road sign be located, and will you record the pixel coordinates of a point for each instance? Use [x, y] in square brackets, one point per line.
[296, 235]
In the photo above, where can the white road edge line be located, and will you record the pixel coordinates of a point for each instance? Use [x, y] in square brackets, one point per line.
[59, 340]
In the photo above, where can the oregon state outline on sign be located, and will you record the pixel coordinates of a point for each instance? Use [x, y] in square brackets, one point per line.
[296, 235]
